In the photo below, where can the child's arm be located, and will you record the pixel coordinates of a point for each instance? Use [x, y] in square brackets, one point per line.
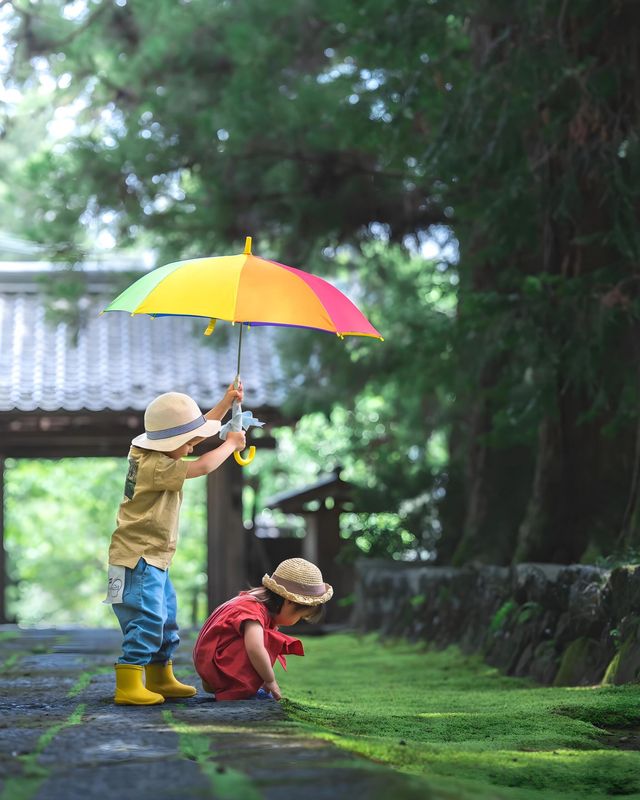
[258, 656]
[219, 410]
[209, 461]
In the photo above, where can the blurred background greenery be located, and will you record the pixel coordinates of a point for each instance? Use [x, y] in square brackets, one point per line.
[466, 171]
[60, 518]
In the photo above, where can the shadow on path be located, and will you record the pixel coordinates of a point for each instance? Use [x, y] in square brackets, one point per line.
[62, 737]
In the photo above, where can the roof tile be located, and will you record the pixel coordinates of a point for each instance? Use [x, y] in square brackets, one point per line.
[122, 362]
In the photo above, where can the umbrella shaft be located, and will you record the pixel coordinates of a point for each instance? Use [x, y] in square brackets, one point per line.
[236, 414]
[239, 355]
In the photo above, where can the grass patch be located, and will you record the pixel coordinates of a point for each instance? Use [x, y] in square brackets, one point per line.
[226, 783]
[444, 715]
[85, 678]
[11, 661]
[25, 786]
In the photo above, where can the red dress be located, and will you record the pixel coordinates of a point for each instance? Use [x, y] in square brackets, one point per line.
[220, 657]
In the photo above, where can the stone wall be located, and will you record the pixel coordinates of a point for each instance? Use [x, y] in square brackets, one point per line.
[561, 625]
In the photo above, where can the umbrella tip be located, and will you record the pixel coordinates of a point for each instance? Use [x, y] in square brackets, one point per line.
[247, 246]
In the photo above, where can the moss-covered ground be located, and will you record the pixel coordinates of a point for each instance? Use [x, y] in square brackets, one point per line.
[458, 723]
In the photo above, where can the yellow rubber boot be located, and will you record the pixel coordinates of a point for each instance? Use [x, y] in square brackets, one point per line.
[130, 690]
[160, 678]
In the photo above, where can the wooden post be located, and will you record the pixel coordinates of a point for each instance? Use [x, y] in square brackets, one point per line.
[310, 541]
[340, 576]
[3, 563]
[226, 556]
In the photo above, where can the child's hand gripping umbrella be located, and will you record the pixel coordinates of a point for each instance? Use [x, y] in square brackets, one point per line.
[240, 419]
[246, 289]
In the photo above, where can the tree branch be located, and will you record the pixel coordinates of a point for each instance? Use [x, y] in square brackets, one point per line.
[50, 46]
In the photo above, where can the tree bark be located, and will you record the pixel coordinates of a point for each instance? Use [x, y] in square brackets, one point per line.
[496, 495]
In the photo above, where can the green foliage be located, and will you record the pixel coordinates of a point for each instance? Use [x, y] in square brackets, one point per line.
[459, 724]
[621, 557]
[386, 425]
[346, 135]
[214, 122]
[377, 535]
[615, 635]
[59, 520]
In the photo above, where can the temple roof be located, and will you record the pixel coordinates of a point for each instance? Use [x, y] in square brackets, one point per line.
[297, 501]
[115, 362]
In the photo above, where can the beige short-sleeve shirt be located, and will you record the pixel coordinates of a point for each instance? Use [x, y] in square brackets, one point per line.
[147, 525]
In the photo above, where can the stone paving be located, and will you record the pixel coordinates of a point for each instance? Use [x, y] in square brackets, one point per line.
[62, 737]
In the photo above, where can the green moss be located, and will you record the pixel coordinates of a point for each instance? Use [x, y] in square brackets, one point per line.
[226, 783]
[572, 661]
[444, 594]
[610, 673]
[454, 721]
[528, 611]
[84, 679]
[26, 785]
[617, 662]
[10, 662]
[502, 615]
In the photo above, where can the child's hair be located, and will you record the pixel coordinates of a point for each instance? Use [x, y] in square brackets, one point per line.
[274, 603]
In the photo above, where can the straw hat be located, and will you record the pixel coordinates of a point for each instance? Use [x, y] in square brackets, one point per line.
[300, 581]
[171, 420]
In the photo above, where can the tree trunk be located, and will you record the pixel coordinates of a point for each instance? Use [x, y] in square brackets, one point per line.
[497, 489]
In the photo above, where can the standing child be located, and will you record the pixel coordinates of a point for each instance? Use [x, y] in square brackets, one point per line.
[145, 539]
[240, 642]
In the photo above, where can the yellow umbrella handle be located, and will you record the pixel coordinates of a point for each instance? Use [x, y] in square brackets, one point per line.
[244, 461]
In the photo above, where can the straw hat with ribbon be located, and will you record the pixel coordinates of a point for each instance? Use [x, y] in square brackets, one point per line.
[300, 581]
[171, 420]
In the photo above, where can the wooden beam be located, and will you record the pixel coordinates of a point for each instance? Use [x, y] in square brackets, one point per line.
[85, 434]
[88, 448]
[226, 536]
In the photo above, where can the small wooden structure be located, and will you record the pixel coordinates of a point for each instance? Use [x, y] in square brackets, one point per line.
[321, 504]
[78, 386]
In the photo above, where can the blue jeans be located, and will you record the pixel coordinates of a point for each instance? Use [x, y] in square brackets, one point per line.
[147, 615]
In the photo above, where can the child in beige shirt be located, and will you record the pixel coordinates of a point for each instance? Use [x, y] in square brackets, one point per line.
[143, 544]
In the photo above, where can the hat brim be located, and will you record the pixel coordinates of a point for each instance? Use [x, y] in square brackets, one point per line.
[303, 599]
[210, 428]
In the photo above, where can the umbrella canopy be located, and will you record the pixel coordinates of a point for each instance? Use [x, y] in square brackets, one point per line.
[244, 288]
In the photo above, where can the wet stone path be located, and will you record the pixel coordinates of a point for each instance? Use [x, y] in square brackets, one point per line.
[62, 737]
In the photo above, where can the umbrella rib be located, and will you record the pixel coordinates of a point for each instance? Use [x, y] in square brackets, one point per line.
[159, 283]
[319, 299]
[235, 303]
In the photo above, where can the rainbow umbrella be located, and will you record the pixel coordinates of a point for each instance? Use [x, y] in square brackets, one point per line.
[248, 290]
